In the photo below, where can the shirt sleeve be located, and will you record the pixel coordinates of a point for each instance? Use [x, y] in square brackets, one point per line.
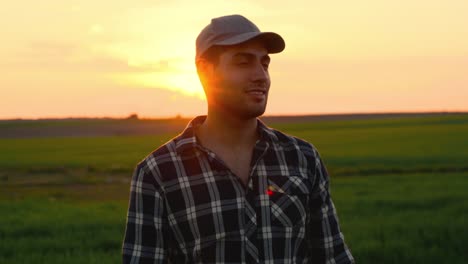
[146, 235]
[325, 239]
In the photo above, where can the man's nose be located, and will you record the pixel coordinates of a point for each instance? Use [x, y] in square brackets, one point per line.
[260, 73]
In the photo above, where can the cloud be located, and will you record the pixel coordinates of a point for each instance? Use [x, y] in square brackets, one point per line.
[52, 66]
[103, 101]
[56, 57]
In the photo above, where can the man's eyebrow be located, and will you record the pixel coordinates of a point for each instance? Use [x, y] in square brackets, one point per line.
[243, 55]
[251, 55]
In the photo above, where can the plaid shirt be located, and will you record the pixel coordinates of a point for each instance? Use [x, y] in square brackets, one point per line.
[186, 206]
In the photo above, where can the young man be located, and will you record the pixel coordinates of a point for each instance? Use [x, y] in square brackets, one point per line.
[229, 189]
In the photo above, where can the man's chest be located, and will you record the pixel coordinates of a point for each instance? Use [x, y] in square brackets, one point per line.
[211, 206]
[239, 165]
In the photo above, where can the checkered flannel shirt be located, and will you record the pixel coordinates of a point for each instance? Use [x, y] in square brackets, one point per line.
[186, 206]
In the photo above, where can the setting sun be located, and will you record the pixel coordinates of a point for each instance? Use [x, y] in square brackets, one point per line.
[185, 83]
[361, 56]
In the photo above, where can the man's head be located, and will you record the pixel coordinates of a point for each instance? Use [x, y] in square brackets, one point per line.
[232, 63]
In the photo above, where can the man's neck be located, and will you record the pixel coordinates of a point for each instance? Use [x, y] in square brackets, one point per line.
[228, 131]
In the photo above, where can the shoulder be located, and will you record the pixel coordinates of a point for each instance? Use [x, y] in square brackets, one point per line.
[296, 152]
[303, 155]
[287, 141]
[162, 158]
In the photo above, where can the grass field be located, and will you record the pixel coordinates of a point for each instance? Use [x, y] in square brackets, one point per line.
[399, 186]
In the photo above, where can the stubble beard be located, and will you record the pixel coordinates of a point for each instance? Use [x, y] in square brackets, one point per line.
[238, 110]
[245, 111]
[258, 111]
[241, 108]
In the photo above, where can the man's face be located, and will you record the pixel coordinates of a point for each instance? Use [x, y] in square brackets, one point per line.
[238, 85]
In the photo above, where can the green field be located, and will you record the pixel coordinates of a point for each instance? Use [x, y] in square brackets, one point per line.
[399, 185]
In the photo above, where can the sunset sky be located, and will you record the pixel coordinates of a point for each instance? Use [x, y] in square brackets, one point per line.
[114, 58]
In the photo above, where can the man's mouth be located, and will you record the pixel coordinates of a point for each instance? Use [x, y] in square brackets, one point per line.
[257, 91]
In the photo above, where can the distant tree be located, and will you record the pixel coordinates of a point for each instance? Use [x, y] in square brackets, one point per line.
[133, 117]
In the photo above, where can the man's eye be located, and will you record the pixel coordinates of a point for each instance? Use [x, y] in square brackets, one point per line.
[265, 65]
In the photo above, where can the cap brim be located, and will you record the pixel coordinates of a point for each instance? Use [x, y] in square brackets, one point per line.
[274, 43]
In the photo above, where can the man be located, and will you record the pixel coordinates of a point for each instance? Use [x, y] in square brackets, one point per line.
[229, 189]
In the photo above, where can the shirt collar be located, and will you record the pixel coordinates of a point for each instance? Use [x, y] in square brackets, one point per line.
[188, 141]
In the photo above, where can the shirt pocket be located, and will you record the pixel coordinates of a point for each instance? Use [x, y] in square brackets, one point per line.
[289, 199]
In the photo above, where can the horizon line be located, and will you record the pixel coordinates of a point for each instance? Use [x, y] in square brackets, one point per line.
[179, 116]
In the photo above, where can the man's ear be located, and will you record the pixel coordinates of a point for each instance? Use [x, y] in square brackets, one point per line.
[204, 70]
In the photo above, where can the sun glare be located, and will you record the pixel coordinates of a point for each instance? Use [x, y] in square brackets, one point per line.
[159, 65]
[359, 56]
[185, 83]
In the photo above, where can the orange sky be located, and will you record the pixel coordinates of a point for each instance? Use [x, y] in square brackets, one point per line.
[115, 58]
